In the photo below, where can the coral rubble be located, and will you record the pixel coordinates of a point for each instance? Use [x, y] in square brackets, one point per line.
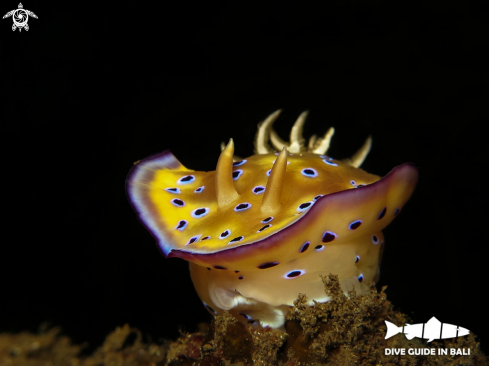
[348, 330]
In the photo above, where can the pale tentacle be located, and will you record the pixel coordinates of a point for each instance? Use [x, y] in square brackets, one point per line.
[272, 199]
[235, 157]
[296, 139]
[323, 145]
[262, 136]
[359, 157]
[312, 142]
[277, 142]
[225, 190]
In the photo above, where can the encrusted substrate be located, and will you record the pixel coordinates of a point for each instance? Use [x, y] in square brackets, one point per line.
[349, 330]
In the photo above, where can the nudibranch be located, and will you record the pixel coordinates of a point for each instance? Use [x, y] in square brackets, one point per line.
[258, 231]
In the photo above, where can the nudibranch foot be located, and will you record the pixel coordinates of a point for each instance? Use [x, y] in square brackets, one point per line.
[261, 230]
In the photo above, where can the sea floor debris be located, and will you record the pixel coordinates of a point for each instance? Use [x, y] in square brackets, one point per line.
[349, 330]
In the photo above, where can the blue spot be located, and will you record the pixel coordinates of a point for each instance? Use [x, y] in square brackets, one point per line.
[309, 172]
[268, 173]
[225, 234]
[237, 174]
[318, 197]
[238, 163]
[205, 238]
[353, 183]
[200, 189]
[186, 180]
[382, 213]
[199, 212]
[258, 189]
[355, 224]
[246, 316]
[182, 224]
[294, 274]
[360, 278]
[318, 248]
[375, 239]
[396, 211]
[173, 190]
[305, 246]
[242, 207]
[357, 258]
[330, 162]
[268, 219]
[177, 202]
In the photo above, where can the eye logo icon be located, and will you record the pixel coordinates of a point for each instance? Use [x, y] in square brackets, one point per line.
[20, 17]
[433, 329]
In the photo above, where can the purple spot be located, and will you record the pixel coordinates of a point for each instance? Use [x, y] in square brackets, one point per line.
[225, 234]
[328, 237]
[187, 179]
[220, 267]
[177, 202]
[309, 172]
[319, 247]
[268, 219]
[235, 240]
[182, 224]
[294, 274]
[200, 189]
[355, 224]
[318, 197]
[236, 271]
[264, 227]
[242, 207]
[353, 183]
[268, 265]
[240, 277]
[193, 239]
[305, 246]
[382, 213]
[199, 212]
[357, 258]
[173, 190]
[205, 238]
[375, 239]
[330, 162]
[304, 206]
[237, 174]
[258, 189]
[238, 163]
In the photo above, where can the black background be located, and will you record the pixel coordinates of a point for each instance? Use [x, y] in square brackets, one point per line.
[92, 88]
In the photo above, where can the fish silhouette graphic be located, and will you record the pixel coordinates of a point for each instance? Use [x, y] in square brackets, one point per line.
[433, 329]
